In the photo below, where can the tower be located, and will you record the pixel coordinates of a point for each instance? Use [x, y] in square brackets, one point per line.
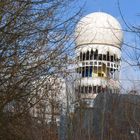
[98, 52]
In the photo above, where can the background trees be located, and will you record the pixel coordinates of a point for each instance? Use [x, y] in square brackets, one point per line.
[35, 38]
[130, 51]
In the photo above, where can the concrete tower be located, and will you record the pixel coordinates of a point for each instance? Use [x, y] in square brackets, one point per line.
[98, 49]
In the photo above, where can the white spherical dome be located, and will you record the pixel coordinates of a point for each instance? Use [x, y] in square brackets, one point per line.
[99, 28]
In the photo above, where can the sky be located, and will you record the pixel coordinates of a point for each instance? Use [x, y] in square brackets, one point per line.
[130, 9]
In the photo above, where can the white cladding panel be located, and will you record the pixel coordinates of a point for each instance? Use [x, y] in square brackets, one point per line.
[102, 49]
[99, 28]
[97, 81]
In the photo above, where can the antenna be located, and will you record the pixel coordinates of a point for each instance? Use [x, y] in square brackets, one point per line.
[100, 10]
[99, 5]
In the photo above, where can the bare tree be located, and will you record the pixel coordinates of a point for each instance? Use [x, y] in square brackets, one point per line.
[35, 40]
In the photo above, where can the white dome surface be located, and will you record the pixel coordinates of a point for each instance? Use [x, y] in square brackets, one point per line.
[99, 28]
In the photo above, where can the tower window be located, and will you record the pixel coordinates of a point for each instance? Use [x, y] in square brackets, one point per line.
[114, 57]
[94, 89]
[87, 55]
[87, 71]
[80, 69]
[108, 56]
[91, 63]
[83, 71]
[100, 57]
[111, 58]
[104, 57]
[86, 89]
[80, 56]
[84, 56]
[91, 55]
[77, 70]
[99, 74]
[108, 64]
[83, 63]
[99, 89]
[95, 54]
[95, 63]
[90, 71]
[90, 89]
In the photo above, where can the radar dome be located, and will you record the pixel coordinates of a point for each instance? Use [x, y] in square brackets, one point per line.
[99, 28]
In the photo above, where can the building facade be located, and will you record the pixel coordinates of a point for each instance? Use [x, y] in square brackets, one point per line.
[98, 53]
